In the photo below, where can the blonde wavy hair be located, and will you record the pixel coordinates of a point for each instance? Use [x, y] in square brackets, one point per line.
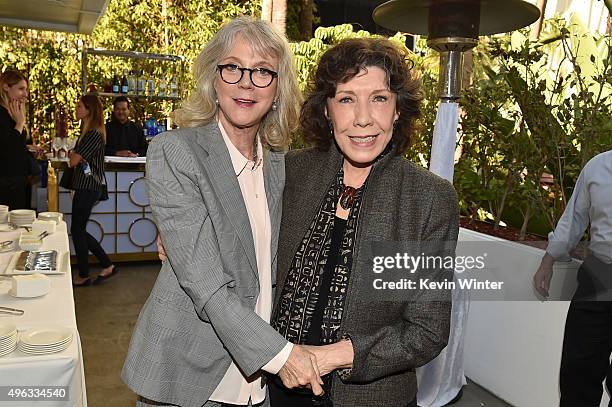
[200, 107]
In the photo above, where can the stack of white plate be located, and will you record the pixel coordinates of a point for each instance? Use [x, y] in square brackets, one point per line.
[8, 338]
[22, 217]
[42, 341]
[4, 213]
[54, 216]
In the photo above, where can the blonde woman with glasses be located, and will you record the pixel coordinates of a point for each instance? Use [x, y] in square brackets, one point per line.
[203, 337]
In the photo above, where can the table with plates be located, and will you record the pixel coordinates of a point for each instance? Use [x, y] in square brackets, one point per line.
[47, 349]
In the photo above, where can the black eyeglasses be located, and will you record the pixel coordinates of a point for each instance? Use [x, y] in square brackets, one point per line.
[260, 77]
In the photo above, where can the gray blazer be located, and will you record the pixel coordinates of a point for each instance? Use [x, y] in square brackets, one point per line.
[200, 313]
[402, 202]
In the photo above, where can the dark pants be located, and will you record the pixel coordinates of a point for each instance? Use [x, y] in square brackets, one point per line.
[280, 396]
[587, 343]
[82, 204]
[13, 192]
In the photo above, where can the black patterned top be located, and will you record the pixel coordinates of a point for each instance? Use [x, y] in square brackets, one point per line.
[301, 293]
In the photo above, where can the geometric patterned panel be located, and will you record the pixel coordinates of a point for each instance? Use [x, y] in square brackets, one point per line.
[123, 223]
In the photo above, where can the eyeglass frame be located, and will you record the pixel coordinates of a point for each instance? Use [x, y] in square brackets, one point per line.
[221, 67]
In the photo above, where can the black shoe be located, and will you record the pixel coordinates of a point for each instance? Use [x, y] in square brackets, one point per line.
[85, 283]
[102, 278]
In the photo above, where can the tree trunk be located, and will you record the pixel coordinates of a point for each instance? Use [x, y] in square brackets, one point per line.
[279, 15]
[266, 10]
[525, 222]
[306, 10]
[537, 26]
[502, 205]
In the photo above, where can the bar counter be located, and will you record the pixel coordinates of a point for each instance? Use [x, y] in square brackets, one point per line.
[123, 224]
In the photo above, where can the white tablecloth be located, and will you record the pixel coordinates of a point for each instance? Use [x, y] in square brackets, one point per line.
[54, 309]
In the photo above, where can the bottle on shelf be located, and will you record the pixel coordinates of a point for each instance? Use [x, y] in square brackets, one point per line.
[132, 83]
[173, 87]
[161, 91]
[116, 84]
[151, 84]
[124, 84]
[141, 83]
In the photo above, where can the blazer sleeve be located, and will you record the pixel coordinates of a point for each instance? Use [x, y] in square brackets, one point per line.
[423, 330]
[182, 217]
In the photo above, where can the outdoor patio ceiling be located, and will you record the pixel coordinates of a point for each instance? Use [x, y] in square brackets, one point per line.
[78, 16]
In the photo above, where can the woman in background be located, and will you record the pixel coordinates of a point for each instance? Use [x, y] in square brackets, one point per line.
[14, 155]
[87, 159]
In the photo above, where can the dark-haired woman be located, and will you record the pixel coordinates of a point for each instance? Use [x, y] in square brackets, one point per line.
[352, 188]
[14, 155]
[87, 159]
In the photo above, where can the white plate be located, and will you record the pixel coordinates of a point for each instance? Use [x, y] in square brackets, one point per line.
[36, 347]
[7, 329]
[5, 227]
[23, 212]
[9, 350]
[45, 336]
[8, 339]
[13, 294]
[43, 352]
[7, 345]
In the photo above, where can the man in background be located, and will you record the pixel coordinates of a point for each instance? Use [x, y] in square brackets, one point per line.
[587, 342]
[124, 138]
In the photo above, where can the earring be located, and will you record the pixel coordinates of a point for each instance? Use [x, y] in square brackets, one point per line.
[217, 102]
[274, 106]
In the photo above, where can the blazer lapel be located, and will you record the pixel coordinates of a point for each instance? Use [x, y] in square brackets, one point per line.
[310, 184]
[218, 165]
[274, 181]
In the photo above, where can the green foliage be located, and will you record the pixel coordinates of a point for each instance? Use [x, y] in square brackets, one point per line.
[534, 108]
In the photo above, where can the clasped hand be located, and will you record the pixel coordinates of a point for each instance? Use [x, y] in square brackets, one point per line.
[306, 364]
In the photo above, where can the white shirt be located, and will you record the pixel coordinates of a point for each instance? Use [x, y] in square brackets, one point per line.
[591, 202]
[234, 388]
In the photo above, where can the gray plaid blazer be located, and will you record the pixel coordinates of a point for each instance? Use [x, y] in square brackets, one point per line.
[200, 313]
[402, 203]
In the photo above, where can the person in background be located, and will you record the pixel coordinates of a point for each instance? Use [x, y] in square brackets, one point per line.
[124, 138]
[87, 159]
[203, 337]
[587, 341]
[14, 155]
[354, 187]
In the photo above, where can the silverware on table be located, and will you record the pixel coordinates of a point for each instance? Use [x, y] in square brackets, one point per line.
[11, 311]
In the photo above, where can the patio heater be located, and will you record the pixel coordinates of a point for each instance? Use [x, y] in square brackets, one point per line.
[452, 27]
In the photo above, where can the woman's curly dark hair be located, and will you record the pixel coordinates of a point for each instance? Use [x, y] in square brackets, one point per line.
[344, 61]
